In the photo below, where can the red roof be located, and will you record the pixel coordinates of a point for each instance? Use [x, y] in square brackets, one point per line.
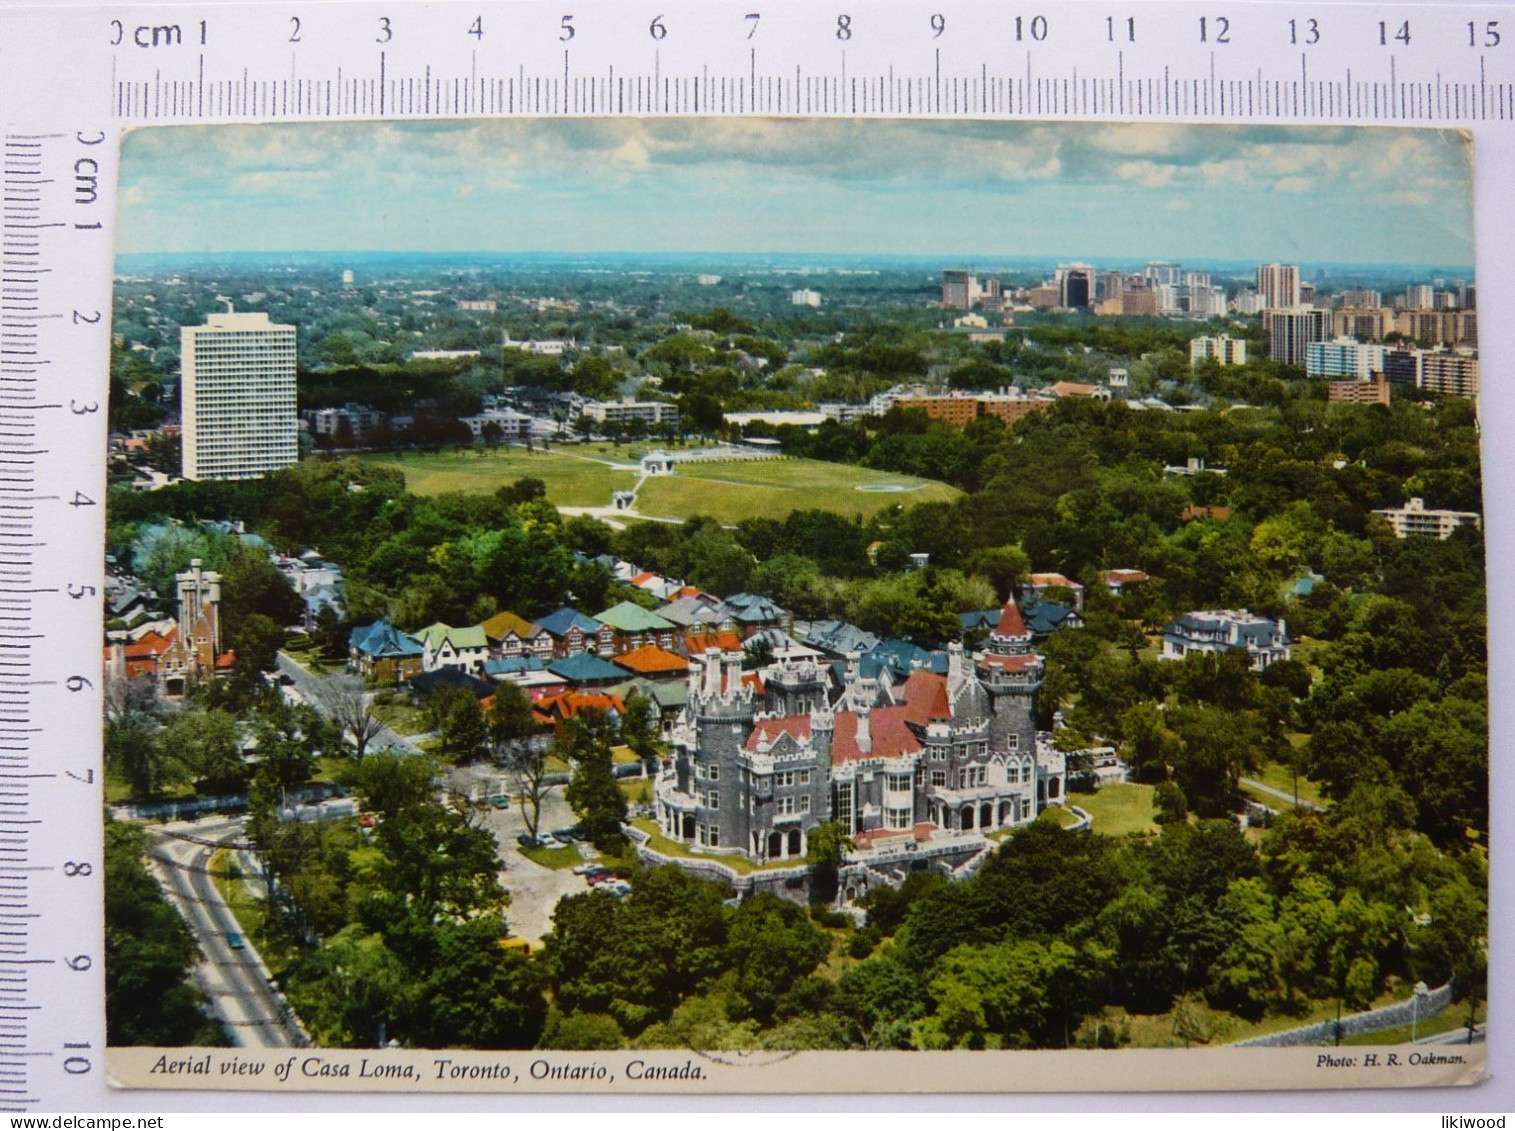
[553, 708]
[649, 659]
[921, 831]
[725, 641]
[1010, 623]
[643, 578]
[1042, 580]
[1125, 575]
[926, 697]
[886, 725]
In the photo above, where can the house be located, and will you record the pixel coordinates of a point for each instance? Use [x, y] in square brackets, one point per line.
[1038, 583]
[510, 636]
[654, 663]
[633, 626]
[529, 673]
[902, 657]
[668, 698]
[1116, 580]
[556, 710]
[447, 647]
[427, 684]
[1416, 518]
[382, 652]
[1046, 617]
[778, 645]
[838, 638]
[572, 632]
[1219, 630]
[698, 613]
[699, 643]
[753, 612]
[978, 621]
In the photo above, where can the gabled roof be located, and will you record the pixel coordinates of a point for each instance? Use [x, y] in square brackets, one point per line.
[1046, 617]
[887, 728]
[585, 668]
[382, 640]
[667, 695]
[1043, 580]
[839, 637]
[753, 608]
[981, 618]
[434, 636]
[902, 657]
[626, 617]
[570, 703]
[515, 664]
[925, 695]
[652, 660]
[559, 623]
[503, 623]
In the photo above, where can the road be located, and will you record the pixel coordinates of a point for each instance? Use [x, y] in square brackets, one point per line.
[304, 680]
[1282, 795]
[1458, 1036]
[234, 980]
[534, 890]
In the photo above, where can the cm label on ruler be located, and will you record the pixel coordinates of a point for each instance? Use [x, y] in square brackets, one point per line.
[1274, 61]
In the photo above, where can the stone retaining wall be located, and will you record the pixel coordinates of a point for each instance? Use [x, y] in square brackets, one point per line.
[1386, 1017]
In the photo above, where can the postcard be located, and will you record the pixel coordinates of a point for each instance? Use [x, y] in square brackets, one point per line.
[737, 605]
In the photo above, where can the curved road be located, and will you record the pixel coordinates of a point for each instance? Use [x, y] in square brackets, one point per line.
[233, 979]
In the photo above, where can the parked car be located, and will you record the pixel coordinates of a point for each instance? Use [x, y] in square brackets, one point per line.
[234, 940]
[589, 868]
[616, 887]
[543, 841]
[569, 834]
[501, 802]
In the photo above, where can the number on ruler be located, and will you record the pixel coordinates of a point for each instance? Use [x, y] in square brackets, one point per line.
[476, 29]
[1490, 34]
[80, 499]
[844, 27]
[1222, 30]
[80, 962]
[1130, 29]
[83, 409]
[656, 28]
[938, 25]
[1037, 27]
[78, 683]
[74, 868]
[87, 779]
[80, 318]
[294, 29]
[386, 32]
[77, 592]
[752, 18]
[1402, 35]
[565, 30]
[1308, 35]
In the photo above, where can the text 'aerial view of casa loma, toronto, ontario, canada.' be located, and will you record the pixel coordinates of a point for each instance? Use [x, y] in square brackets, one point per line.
[753, 585]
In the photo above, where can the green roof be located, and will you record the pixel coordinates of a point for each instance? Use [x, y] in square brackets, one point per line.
[433, 636]
[627, 617]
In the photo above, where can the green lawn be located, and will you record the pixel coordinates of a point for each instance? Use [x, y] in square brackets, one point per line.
[1454, 1016]
[731, 490]
[573, 480]
[1118, 809]
[1280, 777]
[249, 911]
[402, 718]
[554, 858]
[1155, 1030]
[637, 791]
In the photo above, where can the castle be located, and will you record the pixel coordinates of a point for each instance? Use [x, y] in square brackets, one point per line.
[930, 764]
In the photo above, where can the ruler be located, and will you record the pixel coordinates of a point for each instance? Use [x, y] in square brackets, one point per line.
[72, 78]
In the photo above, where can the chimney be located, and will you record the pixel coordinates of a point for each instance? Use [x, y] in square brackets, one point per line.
[864, 733]
[117, 656]
[712, 673]
[733, 672]
[955, 671]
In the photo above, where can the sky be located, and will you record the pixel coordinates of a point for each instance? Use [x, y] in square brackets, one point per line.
[818, 186]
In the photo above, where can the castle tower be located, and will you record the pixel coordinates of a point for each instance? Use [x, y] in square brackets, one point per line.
[200, 597]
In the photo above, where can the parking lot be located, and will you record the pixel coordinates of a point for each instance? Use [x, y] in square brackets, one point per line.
[534, 890]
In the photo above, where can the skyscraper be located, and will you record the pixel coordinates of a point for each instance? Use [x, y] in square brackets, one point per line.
[1076, 284]
[1278, 283]
[238, 397]
[1290, 332]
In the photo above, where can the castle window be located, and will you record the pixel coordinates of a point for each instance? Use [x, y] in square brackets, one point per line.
[805, 803]
[714, 773]
[784, 806]
[714, 800]
[939, 779]
[844, 805]
[804, 777]
[1013, 741]
[699, 770]
[897, 818]
[715, 837]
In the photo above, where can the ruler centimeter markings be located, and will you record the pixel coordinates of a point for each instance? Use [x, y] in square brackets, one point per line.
[1233, 62]
[72, 78]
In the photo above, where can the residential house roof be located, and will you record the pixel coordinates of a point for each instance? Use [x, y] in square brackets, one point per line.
[585, 668]
[503, 623]
[558, 708]
[650, 660]
[514, 665]
[753, 608]
[902, 657]
[561, 621]
[700, 642]
[434, 636]
[1046, 617]
[429, 683]
[980, 618]
[839, 638]
[382, 640]
[626, 617]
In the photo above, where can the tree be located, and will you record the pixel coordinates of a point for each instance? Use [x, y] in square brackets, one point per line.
[593, 791]
[133, 750]
[478, 996]
[825, 851]
[348, 704]
[256, 642]
[209, 743]
[454, 713]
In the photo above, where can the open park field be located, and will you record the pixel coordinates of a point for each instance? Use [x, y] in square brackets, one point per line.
[572, 480]
[727, 490]
[731, 490]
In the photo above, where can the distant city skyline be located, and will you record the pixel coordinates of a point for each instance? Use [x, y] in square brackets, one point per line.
[973, 191]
